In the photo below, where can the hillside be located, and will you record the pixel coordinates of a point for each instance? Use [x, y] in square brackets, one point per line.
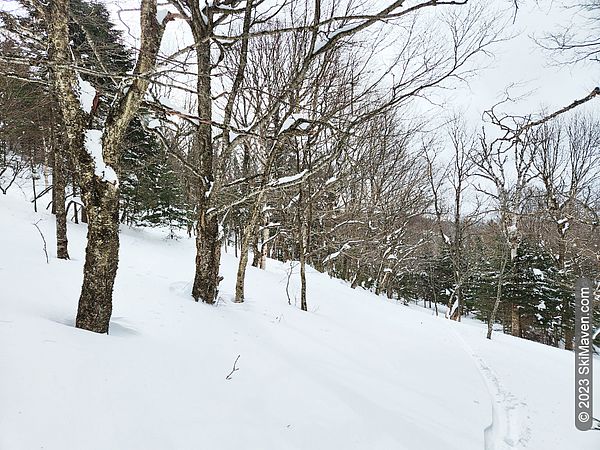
[354, 372]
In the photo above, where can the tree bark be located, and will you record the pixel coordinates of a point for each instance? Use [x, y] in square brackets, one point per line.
[515, 321]
[264, 248]
[569, 336]
[101, 258]
[59, 179]
[208, 256]
[303, 304]
[248, 236]
[302, 249]
[255, 248]
[208, 243]
[58, 194]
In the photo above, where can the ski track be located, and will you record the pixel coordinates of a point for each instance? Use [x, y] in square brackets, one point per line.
[509, 428]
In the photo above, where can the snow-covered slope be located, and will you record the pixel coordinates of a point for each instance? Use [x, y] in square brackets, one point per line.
[355, 372]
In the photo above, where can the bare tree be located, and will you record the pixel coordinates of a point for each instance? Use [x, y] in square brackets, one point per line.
[573, 43]
[504, 164]
[323, 26]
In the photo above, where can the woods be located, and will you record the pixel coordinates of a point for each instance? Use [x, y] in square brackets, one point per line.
[272, 130]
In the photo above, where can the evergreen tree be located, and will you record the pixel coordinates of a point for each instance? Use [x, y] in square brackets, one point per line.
[539, 289]
[151, 193]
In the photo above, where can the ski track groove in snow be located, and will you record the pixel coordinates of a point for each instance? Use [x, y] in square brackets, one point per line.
[509, 428]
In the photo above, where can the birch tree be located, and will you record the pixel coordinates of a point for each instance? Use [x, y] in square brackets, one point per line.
[95, 153]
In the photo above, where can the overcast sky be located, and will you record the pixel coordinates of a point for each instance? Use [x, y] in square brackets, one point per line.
[520, 61]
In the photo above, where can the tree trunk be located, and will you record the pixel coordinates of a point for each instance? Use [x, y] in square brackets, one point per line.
[241, 273]
[457, 314]
[515, 321]
[247, 238]
[567, 311]
[255, 250]
[492, 318]
[302, 249]
[569, 336]
[33, 178]
[208, 258]
[208, 243]
[245, 248]
[101, 258]
[59, 180]
[58, 194]
[382, 283]
[303, 304]
[264, 248]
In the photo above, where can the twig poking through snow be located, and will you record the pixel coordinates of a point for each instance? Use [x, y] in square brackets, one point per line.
[43, 239]
[235, 369]
[287, 284]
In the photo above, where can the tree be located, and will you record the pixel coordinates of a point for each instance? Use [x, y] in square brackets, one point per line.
[211, 156]
[152, 192]
[508, 191]
[96, 153]
[571, 44]
[30, 130]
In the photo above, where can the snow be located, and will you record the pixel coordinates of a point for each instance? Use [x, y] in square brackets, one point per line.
[295, 121]
[174, 107]
[334, 255]
[86, 94]
[289, 179]
[161, 14]
[355, 372]
[154, 123]
[541, 306]
[538, 273]
[344, 29]
[454, 308]
[232, 135]
[93, 145]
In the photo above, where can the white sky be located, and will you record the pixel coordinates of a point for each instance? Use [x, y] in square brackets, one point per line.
[520, 61]
[519, 64]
